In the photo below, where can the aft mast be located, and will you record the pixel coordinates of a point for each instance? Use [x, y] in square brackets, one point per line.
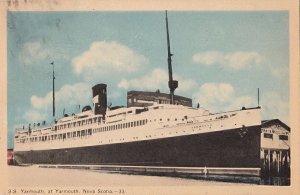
[173, 84]
[53, 92]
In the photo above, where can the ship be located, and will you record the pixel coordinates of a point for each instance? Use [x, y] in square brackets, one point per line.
[154, 129]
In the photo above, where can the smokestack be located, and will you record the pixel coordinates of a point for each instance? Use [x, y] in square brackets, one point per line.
[99, 99]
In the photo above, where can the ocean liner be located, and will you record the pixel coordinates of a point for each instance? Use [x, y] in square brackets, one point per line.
[154, 129]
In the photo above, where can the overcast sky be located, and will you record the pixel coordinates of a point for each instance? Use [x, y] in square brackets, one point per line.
[220, 59]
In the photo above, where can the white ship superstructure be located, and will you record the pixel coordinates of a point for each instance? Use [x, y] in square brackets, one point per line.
[132, 124]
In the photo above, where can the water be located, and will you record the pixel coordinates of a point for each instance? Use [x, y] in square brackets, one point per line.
[273, 181]
[26, 176]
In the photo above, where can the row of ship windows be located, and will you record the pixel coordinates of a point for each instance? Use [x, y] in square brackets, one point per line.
[62, 136]
[154, 120]
[82, 132]
[208, 125]
[98, 119]
[78, 123]
[121, 126]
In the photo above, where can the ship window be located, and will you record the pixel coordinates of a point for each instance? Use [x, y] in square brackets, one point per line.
[82, 133]
[78, 133]
[74, 133]
[134, 123]
[64, 136]
[131, 124]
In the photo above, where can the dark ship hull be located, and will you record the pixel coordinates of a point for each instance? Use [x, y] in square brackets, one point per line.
[227, 148]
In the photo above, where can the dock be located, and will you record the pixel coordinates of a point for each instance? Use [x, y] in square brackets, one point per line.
[164, 170]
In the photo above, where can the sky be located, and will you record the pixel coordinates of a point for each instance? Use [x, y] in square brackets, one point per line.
[220, 59]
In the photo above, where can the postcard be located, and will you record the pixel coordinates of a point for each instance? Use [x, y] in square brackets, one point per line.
[150, 98]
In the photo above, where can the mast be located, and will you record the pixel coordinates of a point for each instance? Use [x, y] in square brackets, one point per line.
[173, 84]
[53, 92]
[257, 97]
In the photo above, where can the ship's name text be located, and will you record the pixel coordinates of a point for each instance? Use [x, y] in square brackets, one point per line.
[67, 191]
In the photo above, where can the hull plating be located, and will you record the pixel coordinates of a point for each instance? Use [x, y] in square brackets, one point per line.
[230, 148]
